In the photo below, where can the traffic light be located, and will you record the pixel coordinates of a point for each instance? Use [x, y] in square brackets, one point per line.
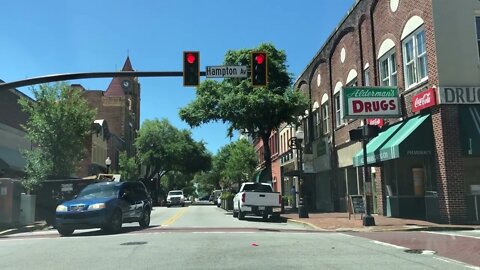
[259, 70]
[191, 68]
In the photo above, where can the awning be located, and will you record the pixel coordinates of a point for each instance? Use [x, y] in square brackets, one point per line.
[12, 158]
[410, 137]
[470, 130]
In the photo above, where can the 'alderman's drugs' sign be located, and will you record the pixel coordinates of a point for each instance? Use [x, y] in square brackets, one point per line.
[371, 102]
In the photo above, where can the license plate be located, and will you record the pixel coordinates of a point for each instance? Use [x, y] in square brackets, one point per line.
[261, 208]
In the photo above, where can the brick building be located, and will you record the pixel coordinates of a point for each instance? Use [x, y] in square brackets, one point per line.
[260, 175]
[12, 136]
[119, 106]
[425, 162]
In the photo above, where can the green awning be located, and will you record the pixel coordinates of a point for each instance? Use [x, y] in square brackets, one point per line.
[408, 138]
[470, 130]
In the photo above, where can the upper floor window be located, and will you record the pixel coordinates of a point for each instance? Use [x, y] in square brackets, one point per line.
[366, 75]
[338, 112]
[388, 69]
[325, 119]
[415, 58]
[317, 123]
[478, 34]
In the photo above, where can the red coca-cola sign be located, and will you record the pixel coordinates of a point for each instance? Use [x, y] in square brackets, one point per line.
[424, 100]
[375, 122]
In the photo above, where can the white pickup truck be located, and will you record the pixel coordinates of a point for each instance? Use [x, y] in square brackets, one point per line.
[255, 199]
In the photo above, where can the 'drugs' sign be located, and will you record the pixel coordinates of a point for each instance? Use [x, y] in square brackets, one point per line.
[371, 102]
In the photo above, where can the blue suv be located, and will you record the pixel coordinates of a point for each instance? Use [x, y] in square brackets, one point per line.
[105, 205]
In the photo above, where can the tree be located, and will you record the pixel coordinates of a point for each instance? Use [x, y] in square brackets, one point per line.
[256, 111]
[240, 167]
[59, 122]
[128, 167]
[162, 148]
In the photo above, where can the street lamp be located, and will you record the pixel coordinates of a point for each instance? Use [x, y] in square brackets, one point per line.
[108, 162]
[296, 144]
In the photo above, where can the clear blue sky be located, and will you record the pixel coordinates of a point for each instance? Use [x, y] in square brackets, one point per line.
[48, 37]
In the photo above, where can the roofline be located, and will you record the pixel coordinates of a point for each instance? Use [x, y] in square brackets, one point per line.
[329, 38]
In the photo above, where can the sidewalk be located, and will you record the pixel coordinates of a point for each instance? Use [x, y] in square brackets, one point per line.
[38, 225]
[340, 222]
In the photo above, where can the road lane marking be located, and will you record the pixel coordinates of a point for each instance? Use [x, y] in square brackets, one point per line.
[388, 245]
[175, 217]
[454, 234]
[457, 262]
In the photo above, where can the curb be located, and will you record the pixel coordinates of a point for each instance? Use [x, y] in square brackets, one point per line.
[306, 224]
[28, 228]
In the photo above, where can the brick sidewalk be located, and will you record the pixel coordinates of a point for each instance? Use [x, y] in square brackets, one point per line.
[340, 222]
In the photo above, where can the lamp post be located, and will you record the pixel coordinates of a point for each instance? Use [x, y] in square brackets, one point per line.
[108, 162]
[296, 143]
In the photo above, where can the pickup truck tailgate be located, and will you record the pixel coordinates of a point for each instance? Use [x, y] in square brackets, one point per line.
[262, 199]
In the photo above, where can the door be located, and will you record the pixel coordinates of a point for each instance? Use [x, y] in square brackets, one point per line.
[127, 201]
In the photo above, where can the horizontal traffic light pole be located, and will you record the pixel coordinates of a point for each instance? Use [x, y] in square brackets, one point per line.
[90, 75]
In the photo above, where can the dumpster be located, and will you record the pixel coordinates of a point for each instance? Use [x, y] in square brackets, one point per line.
[10, 190]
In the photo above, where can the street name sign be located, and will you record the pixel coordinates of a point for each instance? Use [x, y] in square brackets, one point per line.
[226, 72]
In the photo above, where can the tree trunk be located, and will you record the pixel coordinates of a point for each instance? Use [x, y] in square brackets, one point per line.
[267, 155]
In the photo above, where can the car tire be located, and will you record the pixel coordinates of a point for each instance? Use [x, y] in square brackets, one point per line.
[145, 219]
[115, 224]
[265, 217]
[235, 214]
[241, 215]
[183, 205]
[65, 232]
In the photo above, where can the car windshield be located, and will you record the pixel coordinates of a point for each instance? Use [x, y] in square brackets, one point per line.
[99, 191]
[175, 193]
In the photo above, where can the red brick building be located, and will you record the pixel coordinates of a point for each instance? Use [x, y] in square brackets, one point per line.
[119, 106]
[274, 149]
[425, 162]
[13, 138]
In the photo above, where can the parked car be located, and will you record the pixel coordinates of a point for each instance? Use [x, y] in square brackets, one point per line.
[219, 200]
[215, 195]
[105, 205]
[175, 197]
[255, 199]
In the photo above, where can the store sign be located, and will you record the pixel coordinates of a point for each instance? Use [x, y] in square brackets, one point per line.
[424, 100]
[365, 102]
[376, 122]
[459, 95]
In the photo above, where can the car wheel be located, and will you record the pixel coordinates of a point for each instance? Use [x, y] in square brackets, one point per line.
[115, 222]
[145, 219]
[265, 217]
[235, 214]
[241, 215]
[183, 205]
[65, 232]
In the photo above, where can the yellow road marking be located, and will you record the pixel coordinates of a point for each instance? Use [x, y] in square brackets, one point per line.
[175, 217]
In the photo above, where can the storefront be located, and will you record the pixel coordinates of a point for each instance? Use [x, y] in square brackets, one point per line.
[470, 144]
[404, 152]
[322, 168]
[347, 182]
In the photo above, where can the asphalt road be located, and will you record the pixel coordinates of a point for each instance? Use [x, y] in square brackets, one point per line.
[206, 237]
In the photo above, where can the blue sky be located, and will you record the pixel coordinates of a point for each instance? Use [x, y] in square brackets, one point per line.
[49, 37]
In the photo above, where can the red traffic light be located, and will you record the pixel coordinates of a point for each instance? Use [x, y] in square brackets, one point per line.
[260, 58]
[191, 58]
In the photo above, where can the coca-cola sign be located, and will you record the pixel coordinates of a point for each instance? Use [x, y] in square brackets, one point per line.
[375, 122]
[424, 100]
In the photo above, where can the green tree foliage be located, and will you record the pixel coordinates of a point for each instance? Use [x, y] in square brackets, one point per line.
[176, 180]
[128, 167]
[256, 111]
[59, 122]
[240, 167]
[234, 163]
[162, 148]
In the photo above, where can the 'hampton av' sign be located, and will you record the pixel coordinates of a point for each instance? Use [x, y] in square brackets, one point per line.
[371, 102]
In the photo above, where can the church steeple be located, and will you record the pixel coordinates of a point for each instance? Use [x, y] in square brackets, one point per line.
[119, 85]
